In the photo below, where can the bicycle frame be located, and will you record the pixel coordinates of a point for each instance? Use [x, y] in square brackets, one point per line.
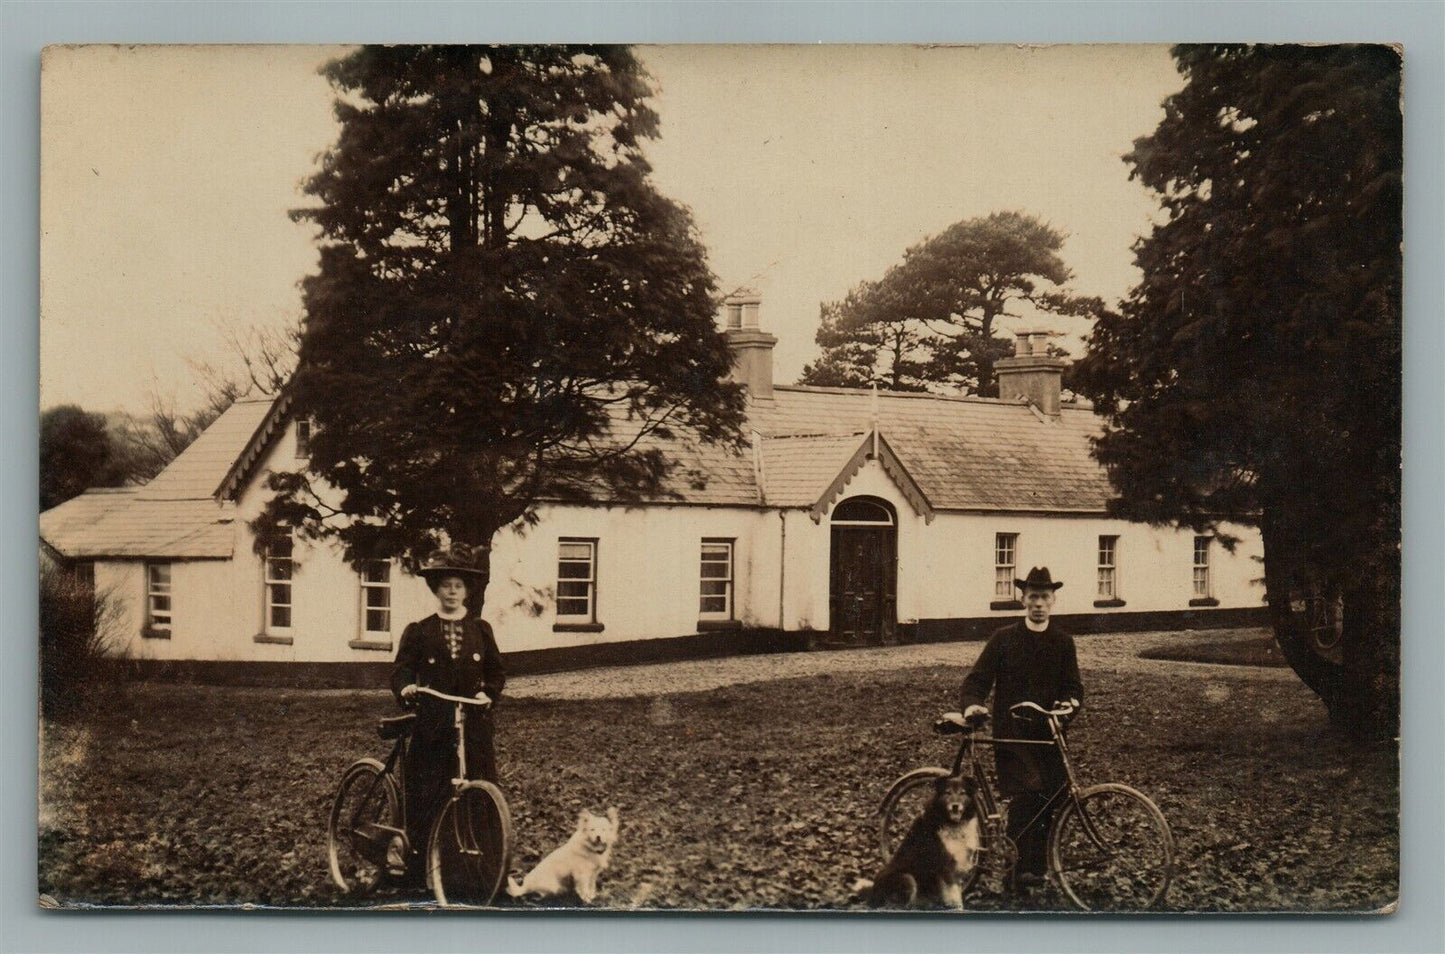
[395, 767]
[1090, 834]
[459, 720]
[968, 753]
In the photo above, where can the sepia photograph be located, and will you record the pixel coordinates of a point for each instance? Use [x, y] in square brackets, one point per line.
[879, 479]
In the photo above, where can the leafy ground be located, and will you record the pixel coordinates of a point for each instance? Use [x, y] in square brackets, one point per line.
[1256, 651]
[755, 795]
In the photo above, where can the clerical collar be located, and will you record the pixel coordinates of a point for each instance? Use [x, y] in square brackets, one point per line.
[459, 614]
[1036, 627]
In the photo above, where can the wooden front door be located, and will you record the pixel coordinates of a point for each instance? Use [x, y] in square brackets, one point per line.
[862, 598]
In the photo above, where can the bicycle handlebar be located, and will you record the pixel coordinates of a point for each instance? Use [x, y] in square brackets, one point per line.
[464, 700]
[1057, 713]
[958, 719]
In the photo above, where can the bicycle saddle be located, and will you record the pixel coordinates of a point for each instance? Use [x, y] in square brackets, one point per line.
[396, 726]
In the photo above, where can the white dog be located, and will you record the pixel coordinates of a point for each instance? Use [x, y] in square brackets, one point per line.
[575, 865]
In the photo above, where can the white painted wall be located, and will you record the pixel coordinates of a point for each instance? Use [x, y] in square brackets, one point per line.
[648, 572]
[1154, 567]
[203, 609]
[648, 575]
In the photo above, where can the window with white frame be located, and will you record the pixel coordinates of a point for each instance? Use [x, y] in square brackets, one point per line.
[1201, 566]
[279, 568]
[303, 438]
[1108, 568]
[577, 580]
[376, 598]
[158, 597]
[1005, 564]
[715, 600]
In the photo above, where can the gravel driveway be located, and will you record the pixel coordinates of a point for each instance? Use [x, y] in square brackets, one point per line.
[1118, 652]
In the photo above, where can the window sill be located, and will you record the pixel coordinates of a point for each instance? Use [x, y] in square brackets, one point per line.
[1103, 604]
[1005, 605]
[1204, 601]
[381, 645]
[150, 632]
[577, 627]
[718, 625]
[273, 639]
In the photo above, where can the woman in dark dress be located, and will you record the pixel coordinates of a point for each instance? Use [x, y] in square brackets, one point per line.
[451, 651]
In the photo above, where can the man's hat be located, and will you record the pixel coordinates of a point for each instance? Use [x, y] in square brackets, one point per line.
[469, 563]
[1038, 578]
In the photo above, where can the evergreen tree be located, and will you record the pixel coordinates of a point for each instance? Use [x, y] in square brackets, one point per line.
[862, 348]
[931, 322]
[1254, 373]
[77, 452]
[505, 310]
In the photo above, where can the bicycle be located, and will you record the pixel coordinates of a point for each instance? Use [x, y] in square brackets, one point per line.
[1110, 847]
[469, 846]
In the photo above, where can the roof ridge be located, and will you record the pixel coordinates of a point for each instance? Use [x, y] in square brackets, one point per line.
[910, 395]
[1077, 405]
[813, 436]
[178, 495]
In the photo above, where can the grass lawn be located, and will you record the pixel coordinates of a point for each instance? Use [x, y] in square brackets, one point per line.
[759, 795]
[1259, 650]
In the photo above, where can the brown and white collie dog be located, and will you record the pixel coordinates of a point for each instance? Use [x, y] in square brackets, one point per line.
[935, 858]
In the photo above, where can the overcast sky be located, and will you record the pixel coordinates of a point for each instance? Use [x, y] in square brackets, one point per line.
[167, 174]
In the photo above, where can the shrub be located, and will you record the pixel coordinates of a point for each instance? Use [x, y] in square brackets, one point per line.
[77, 624]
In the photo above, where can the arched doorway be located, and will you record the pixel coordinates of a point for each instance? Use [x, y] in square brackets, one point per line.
[863, 577]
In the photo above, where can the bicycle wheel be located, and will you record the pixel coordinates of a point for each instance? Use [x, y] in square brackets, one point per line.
[1112, 850]
[470, 848]
[366, 805]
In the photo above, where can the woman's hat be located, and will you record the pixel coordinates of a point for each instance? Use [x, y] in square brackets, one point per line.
[469, 563]
[1038, 578]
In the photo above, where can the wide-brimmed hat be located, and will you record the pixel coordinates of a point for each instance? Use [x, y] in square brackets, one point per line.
[469, 563]
[1038, 578]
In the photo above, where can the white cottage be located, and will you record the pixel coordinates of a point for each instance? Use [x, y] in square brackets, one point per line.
[854, 518]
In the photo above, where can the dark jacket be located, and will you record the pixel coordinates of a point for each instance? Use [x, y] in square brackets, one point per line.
[1018, 665]
[423, 659]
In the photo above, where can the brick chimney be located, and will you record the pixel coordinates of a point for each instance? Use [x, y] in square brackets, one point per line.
[1031, 373]
[752, 347]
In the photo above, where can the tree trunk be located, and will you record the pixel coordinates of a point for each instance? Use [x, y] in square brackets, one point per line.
[1361, 694]
[1370, 706]
[987, 379]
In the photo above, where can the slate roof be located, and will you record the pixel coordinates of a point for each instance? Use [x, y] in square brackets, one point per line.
[101, 523]
[176, 515]
[964, 454]
[797, 468]
[201, 467]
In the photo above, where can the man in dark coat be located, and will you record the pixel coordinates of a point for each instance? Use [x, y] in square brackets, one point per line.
[451, 651]
[1027, 661]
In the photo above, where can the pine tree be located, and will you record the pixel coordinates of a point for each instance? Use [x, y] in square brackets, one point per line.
[931, 322]
[1254, 373]
[506, 310]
